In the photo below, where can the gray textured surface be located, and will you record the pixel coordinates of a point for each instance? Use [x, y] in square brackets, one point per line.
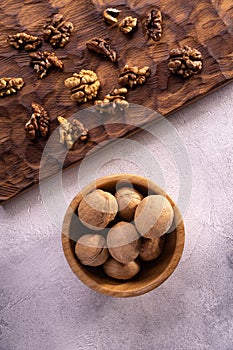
[44, 307]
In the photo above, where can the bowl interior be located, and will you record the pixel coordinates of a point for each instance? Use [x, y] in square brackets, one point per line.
[153, 273]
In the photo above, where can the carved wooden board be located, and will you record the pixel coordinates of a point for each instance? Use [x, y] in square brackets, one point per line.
[203, 24]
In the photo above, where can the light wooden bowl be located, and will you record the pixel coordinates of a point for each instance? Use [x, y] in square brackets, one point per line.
[152, 274]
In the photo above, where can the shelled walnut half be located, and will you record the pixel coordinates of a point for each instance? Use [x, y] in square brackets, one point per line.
[102, 47]
[39, 123]
[9, 86]
[70, 132]
[185, 61]
[113, 101]
[153, 24]
[84, 86]
[128, 24]
[43, 61]
[24, 41]
[111, 15]
[57, 31]
[132, 76]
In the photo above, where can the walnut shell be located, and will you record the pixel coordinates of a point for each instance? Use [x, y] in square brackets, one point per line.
[154, 216]
[128, 200]
[91, 250]
[123, 242]
[151, 248]
[97, 209]
[120, 271]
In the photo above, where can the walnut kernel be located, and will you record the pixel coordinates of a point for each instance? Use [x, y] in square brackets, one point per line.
[128, 24]
[185, 61]
[132, 76]
[153, 25]
[39, 123]
[102, 47]
[24, 41]
[113, 101]
[42, 62]
[84, 86]
[70, 132]
[9, 86]
[57, 31]
[111, 15]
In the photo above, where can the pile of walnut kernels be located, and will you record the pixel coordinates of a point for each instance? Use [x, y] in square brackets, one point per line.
[126, 230]
[84, 85]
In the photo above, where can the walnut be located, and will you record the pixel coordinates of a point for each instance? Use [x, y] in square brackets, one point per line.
[151, 248]
[91, 250]
[70, 132]
[57, 31]
[84, 86]
[9, 86]
[97, 209]
[115, 269]
[154, 216]
[132, 76]
[39, 123]
[185, 61]
[113, 101]
[123, 242]
[111, 15]
[128, 200]
[24, 41]
[43, 61]
[128, 24]
[102, 47]
[153, 25]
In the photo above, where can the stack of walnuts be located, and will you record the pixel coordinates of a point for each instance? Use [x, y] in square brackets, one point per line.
[126, 229]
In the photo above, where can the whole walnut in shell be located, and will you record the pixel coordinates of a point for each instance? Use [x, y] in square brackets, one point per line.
[128, 200]
[154, 216]
[97, 209]
[151, 248]
[120, 271]
[123, 242]
[91, 250]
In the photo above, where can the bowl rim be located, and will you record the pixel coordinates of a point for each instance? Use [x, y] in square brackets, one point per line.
[73, 262]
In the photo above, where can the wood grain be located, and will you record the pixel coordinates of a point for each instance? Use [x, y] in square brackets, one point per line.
[205, 25]
[152, 274]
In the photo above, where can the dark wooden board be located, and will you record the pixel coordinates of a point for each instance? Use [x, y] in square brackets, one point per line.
[203, 24]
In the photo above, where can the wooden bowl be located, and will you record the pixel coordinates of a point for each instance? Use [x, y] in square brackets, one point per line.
[152, 274]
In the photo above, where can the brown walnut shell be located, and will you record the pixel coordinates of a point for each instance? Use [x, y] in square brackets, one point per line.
[151, 248]
[154, 216]
[97, 209]
[120, 271]
[91, 250]
[128, 200]
[123, 242]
